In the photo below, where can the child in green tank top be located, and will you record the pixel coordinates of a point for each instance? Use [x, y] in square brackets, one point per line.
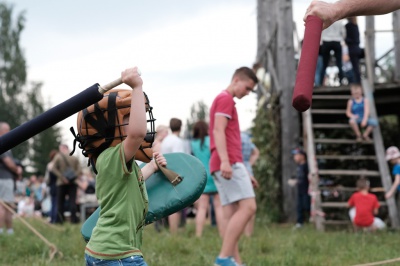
[120, 188]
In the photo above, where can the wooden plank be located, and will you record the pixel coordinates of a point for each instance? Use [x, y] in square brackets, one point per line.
[341, 141]
[330, 97]
[348, 172]
[352, 189]
[329, 126]
[333, 204]
[346, 157]
[328, 111]
[323, 89]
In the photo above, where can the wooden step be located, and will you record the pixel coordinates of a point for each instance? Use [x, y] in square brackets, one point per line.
[341, 141]
[337, 222]
[325, 89]
[349, 172]
[352, 189]
[334, 204]
[346, 157]
[329, 126]
[328, 111]
[331, 97]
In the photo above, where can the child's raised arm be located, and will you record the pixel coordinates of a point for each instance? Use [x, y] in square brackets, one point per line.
[137, 124]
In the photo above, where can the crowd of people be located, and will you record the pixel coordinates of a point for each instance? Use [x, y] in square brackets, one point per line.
[51, 196]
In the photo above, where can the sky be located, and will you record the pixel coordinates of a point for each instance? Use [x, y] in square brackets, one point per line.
[187, 51]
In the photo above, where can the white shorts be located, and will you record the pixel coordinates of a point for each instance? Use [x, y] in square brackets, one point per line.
[237, 188]
[7, 190]
[378, 223]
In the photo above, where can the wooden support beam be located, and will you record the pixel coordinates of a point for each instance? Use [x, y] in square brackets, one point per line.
[285, 66]
[396, 37]
[380, 153]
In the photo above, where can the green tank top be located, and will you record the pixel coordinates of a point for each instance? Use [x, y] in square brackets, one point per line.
[122, 195]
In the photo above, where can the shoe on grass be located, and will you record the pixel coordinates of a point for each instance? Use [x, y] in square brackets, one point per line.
[228, 261]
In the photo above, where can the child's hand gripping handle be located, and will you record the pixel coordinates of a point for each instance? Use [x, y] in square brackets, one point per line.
[173, 177]
[303, 89]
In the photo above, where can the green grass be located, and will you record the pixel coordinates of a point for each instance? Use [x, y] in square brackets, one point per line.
[272, 244]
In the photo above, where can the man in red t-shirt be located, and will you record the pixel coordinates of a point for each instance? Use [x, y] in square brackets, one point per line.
[233, 182]
[366, 206]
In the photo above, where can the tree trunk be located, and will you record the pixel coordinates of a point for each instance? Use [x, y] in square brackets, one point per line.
[396, 37]
[289, 116]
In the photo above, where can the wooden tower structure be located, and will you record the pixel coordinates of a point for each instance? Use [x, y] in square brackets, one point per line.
[330, 187]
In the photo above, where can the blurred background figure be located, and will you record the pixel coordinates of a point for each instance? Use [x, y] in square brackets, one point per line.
[65, 187]
[161, 133]
[302, 183]
[331, 39]
[8, 170]
[353, 43]
[51, 180]
[200, 145]
[174, 143]
[250, 155]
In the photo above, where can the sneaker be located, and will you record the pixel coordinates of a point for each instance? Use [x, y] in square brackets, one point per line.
[228, 261]
[298, 226]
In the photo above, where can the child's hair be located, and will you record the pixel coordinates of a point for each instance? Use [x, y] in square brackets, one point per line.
[362, 183]
[175, 124]
[200, 131]
[354, 86]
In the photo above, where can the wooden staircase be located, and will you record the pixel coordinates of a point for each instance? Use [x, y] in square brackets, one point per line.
[337, 160]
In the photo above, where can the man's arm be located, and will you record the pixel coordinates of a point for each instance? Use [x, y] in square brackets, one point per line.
[11, 165]
[331, 12]
[220, 124]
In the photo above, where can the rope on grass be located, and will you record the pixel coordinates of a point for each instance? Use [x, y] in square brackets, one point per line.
[53, 248]
[379, 262]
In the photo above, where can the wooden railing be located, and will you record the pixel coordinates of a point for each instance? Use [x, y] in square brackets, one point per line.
[308, 134]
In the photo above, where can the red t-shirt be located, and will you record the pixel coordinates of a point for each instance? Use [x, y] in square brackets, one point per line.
[225, 105]
[365, 205]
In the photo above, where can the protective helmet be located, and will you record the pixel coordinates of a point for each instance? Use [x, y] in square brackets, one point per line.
[101, 126]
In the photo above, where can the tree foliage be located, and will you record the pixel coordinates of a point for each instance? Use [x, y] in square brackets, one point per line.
[267, 170]
[198, 111]
[18, 103]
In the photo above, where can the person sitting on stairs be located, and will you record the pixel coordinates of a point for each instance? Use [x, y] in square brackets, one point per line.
[358, 113]
[364, 206]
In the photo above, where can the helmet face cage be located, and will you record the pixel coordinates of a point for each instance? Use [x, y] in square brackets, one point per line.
[101, 125]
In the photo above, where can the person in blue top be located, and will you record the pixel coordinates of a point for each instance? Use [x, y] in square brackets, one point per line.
[393, 156]
[200, 145]
[358, 113]
[250, 155]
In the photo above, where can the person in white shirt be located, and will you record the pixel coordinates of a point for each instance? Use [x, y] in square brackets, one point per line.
[173, 143]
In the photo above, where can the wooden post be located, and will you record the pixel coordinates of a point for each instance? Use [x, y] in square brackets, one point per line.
[370, 44]
[380, 155]
[396, 37]
[285, 65]
[316, 210]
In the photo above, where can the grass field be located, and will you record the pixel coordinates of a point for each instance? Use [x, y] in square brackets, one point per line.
[272, 244]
